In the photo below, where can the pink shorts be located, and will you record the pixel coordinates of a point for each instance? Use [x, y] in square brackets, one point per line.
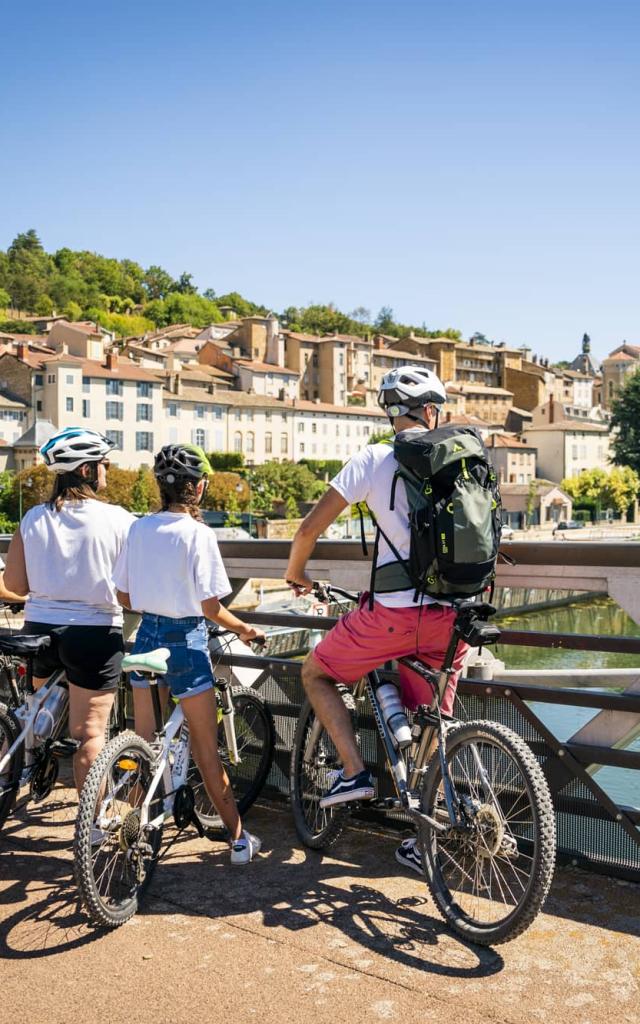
[363, 640]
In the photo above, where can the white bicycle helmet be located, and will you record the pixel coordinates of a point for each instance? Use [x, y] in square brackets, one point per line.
[409, 387]
[72, 447]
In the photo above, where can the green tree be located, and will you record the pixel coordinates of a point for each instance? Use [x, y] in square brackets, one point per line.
[157, 282]
[5, 299]
[596, 489]
[531, 502]
[226, 460]
[625, 424]
[17, 327]
[44, 305]
[291, 508]
[622, 488]
[384, 320]
[225, 488]
[379, 436]
[72, 310]
[144, 493]
[184, 285]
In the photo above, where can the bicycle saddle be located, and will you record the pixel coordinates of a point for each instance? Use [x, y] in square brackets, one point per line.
[154, 662]
[23, 645]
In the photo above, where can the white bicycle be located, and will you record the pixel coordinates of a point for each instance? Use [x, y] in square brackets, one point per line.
[133, 787]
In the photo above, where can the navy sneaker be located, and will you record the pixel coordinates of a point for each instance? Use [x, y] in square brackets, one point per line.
[408, 854]
[344, 791]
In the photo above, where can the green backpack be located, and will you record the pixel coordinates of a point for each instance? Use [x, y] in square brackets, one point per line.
[454, 516]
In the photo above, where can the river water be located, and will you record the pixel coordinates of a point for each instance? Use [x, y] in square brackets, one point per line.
[601, 616]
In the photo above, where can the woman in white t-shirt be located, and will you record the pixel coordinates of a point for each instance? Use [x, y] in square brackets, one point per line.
[62, 559]
[172, 572]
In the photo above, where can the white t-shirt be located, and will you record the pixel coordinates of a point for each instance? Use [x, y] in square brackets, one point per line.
[70, 557]
[368, 476]
[170, 564]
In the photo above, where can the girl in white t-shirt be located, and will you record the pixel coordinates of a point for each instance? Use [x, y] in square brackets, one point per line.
[61, 558]
[172, 572]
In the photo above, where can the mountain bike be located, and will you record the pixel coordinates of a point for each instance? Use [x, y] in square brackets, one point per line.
[33, 726]
[134, 787]
[474, 791]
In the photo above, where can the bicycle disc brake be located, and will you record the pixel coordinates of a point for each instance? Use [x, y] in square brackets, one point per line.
[184, 810]
[44, 777]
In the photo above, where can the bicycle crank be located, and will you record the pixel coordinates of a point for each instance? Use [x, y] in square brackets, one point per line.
[44, 778]
[184, 810]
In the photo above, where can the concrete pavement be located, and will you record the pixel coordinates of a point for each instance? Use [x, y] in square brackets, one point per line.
[347, 937]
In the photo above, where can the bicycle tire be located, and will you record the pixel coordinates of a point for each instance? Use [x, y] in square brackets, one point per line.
[517, 852]
[256, 738]
[10, 779]
[136, 867]
[318, 828]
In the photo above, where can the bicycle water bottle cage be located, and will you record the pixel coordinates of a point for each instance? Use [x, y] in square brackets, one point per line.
[153, 663]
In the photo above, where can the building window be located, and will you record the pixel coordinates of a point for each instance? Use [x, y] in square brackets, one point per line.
[267, 414]
[114, 387]
[172, 408]
[86, 385]
[314, 428]
[199, 412]
[237, 415]
[116, 436]
[251, 442]
[69, 378]
[249, 415]
[217, 412]
[284, 444]
[237, 441]
[38, 406]
[114, 410]
[69, 404]
[143, 389]
[300, 426]
[38, 380]
[86, 408]
[144, 441]
[51, 378]
[302, 448]
[144, 412]
[268, 444]
[200, 437]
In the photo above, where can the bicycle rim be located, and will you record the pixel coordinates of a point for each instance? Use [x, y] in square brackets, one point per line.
[490, 876]
[114, 855]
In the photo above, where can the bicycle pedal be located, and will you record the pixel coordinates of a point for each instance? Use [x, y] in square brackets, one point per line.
[386, 803]
[64, 748]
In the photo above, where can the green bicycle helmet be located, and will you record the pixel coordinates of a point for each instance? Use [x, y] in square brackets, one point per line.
[180, 461]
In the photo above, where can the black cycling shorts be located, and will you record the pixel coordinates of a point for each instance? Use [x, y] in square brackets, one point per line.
[90, 655]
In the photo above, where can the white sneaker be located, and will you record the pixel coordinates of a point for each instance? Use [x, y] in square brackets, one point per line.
[243, 850]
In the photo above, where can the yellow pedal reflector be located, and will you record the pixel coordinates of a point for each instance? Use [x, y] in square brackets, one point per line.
[127, 764]
[220, 715]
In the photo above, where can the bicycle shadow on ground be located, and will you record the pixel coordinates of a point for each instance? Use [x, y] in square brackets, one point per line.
[297, 891]
[52, 920]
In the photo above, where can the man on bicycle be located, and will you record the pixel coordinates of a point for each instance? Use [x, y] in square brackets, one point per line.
[395, 624]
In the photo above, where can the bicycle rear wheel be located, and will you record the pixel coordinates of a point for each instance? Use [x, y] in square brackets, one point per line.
[490, 877]
[255, 737]
[10, 776]
[114, 857]
[313, 759]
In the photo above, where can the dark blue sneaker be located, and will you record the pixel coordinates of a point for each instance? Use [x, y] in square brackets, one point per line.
[344, 791]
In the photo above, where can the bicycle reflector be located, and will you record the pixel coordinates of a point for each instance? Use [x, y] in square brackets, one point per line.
[126, 764]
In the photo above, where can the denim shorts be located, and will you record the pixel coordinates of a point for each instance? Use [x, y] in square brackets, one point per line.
[190, 670]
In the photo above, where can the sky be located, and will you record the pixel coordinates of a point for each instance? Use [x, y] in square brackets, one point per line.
[469, 163]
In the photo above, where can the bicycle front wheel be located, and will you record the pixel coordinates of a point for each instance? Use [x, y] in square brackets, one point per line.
[489, 876]
[114, 854]
[255, 739]
[10, 774]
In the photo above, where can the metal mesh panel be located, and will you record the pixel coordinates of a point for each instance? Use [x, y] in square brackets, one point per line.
[586, 832]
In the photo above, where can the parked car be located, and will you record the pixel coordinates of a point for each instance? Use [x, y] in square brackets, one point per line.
[569, 524]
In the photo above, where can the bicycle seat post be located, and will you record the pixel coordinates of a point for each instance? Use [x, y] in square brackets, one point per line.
[155, 700]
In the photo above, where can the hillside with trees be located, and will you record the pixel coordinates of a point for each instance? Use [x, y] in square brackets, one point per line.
[125, 297]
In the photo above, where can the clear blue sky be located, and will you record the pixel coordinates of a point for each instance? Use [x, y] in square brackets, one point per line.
[472, 164]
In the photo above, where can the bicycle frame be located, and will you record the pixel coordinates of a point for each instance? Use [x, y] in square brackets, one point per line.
[26, 716]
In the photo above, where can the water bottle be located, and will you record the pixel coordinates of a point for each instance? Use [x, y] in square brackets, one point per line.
[51, 713]
[394, 714]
